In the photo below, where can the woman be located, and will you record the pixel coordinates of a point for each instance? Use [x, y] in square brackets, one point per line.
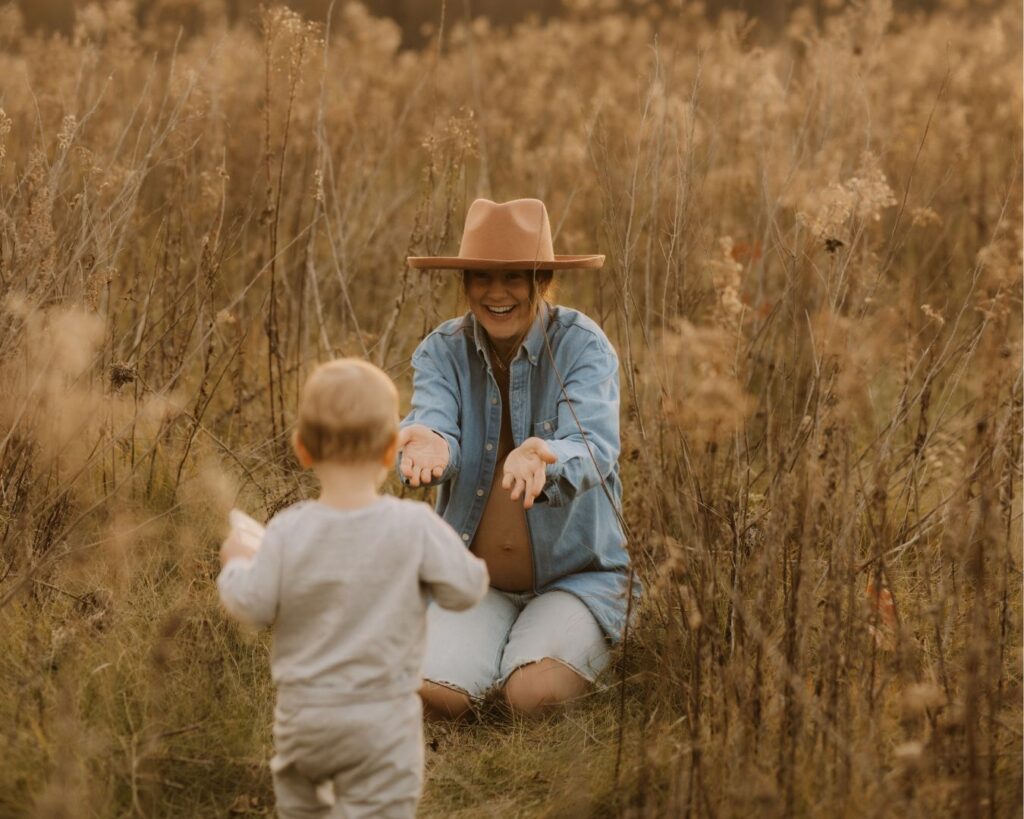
[515, 415]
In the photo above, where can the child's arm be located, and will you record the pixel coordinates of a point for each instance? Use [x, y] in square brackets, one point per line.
[249, 582]
[456, 577]
[236, 546]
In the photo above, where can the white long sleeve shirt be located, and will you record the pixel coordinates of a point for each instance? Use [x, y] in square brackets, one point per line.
[346, 592]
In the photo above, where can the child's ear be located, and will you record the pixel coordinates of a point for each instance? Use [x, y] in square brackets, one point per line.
[301, 453]
[391, 453]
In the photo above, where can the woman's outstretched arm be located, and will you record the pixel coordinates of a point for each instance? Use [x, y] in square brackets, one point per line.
[435, 406]
[586, 441]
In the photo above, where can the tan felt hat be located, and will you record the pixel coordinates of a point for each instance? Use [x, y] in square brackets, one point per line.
[512, 235]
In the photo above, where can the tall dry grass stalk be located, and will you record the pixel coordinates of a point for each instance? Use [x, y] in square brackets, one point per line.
[814, 282]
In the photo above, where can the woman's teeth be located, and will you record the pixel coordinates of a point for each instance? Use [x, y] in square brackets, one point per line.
[501, 311]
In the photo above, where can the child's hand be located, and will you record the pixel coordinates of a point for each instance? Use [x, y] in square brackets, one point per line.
[525, 469]
[424, 454]
[235, 546]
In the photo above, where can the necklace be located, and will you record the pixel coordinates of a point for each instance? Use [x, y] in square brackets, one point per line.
[496, 356]
[503, 365]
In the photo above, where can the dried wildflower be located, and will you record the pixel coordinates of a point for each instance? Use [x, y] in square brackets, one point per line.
[36, 231]
[882, 615]
[318, 190]
[862, 197]
[702, 394]
[12, 24]
[908, 752]
[121, 374]
[46, 397]
[943, 459]
[1001, 260]
[90, 23]
[5, 128]
[922, 217]
[995, 307]
[933, 314]
[694, 619]
[725, 274]
[922, 697]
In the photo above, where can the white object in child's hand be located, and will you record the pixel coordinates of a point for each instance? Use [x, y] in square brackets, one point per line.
[250, 531]
[325, 794]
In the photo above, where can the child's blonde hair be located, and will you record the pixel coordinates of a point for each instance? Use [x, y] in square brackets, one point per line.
[348, 411]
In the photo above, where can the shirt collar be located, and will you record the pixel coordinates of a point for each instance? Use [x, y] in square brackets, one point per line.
[533, 344]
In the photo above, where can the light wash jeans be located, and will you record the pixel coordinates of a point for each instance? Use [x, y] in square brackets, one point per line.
[478, 649]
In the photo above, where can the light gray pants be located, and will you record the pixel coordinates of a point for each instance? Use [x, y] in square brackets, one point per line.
[371, 752]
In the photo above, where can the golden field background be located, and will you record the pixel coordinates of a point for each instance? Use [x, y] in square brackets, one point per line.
[814, 284]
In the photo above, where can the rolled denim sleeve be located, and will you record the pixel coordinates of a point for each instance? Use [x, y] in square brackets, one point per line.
[435, 403]
[586, 441]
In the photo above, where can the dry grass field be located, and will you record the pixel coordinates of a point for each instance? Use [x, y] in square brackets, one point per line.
[814, 284]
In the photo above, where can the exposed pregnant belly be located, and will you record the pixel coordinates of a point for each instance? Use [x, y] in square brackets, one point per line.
[503, 540]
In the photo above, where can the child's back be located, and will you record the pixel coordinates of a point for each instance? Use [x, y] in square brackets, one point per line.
[346, 590]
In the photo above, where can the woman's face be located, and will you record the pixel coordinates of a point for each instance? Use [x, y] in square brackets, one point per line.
[500, 300]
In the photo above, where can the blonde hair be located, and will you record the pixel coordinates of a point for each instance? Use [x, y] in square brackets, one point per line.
[348, 411]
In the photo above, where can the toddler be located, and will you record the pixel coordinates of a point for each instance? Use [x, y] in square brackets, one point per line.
[345, 581]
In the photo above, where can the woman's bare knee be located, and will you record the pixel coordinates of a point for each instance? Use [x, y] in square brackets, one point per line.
[443, 702]
[534, 688]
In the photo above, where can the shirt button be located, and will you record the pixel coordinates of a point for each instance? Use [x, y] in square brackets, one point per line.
[489, 447]
[465, 536]
[547, 425]
[479, 493]
[494, 400]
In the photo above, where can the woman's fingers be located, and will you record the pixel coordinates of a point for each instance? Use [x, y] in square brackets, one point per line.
[408, 464]
[536, 484]
[405, 435]
[544, 452]
[419, 464]
[520, 486]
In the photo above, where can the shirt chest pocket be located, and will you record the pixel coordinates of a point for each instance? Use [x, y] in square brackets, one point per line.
[546, 429]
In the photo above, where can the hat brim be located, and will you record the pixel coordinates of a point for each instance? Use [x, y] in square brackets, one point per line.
[457, 263]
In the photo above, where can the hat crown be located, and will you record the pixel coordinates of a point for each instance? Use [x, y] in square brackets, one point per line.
[518, 230]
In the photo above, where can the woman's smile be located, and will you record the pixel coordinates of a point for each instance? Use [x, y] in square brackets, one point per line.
[500, 300]
[501, 315]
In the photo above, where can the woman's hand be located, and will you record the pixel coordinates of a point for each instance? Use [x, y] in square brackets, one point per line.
[525, 469]
[424, 454]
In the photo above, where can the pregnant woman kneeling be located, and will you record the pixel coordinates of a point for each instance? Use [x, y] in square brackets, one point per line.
[515, 416]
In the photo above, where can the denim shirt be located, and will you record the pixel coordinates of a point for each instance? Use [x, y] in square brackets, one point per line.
[577, 543]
